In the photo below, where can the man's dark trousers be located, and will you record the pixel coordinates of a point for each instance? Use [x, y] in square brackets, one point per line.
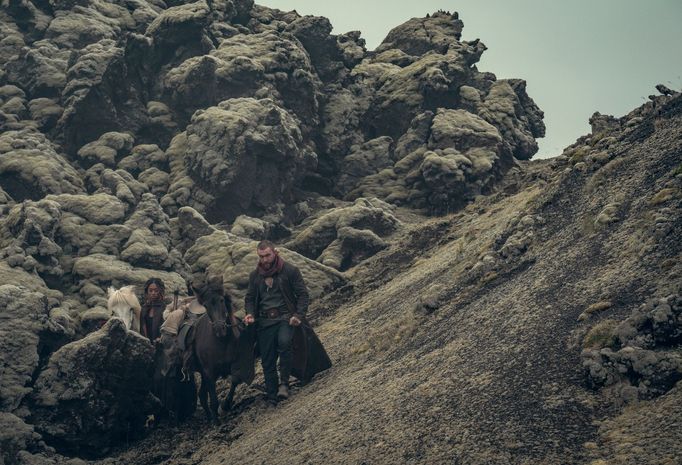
[274, 340]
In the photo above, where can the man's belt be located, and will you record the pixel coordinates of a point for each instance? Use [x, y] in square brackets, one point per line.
[273, 313]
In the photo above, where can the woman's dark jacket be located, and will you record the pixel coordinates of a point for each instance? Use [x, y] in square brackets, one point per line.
[291, 284]
[150, 327]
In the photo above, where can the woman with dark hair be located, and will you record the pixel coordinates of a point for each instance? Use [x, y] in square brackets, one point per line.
[151, 316]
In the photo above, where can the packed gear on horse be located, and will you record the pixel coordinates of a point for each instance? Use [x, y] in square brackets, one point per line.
[176, 390]
[177, 335]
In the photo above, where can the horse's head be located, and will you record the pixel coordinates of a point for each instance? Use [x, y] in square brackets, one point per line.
[123, 303]
[212, 297]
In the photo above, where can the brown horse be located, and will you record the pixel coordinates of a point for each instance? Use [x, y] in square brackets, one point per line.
[220, 348]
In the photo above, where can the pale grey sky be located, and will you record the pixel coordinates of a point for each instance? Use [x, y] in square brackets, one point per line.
[578, 57]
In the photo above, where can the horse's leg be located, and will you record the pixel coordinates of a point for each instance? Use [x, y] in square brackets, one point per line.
[227, 403]
[203, 395]
[213, 399]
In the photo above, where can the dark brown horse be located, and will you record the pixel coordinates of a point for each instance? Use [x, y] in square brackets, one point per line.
[220, 348]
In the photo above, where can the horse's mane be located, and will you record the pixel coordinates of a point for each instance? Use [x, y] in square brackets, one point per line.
[125, 295]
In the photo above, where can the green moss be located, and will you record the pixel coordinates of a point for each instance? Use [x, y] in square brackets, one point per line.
[580, 154]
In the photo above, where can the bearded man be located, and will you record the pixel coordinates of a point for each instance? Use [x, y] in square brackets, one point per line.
[277, 301]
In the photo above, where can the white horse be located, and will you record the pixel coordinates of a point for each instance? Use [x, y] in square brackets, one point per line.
[123, 304]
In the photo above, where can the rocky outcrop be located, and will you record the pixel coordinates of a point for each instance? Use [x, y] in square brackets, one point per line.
[135, 133]
[23, 318]
[98, 96]
[445, 160]
[644, 362]
[31, 167]
[344, 236]
[17, 438]
[248, 65]
[244, 155]
[417, 36]
[30, 231]
[95, 391]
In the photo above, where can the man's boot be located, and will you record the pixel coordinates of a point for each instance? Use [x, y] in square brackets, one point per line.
[283, 392]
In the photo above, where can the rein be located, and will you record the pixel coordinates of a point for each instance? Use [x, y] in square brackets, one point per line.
[236, 327]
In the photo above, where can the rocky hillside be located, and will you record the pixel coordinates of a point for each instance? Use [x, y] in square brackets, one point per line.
[478, 307]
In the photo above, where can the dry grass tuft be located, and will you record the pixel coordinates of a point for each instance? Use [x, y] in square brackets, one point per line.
[601, 335]
[594, 308]
[488, 277]
[389, 335]
[664, 195]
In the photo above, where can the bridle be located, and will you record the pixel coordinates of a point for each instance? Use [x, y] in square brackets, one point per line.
[219, 326]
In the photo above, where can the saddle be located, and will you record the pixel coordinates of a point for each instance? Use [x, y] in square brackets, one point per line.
[185, 334]
[185, 338]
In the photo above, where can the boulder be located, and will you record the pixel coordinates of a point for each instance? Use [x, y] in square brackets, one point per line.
[175, 24]
[13, 110]
[15, 437]
[645, 362]
[656, 324]
[95, 392]
[432, 81]
[462, 131]
[342, 237]
[515, 115]
[453, 156]
[29, 234]
[270, 19]
[40, 69]
[421, 35]
[366, 160]
[252, 228]
[104, 270]
[632, 373]
[30, 167]
[160, 126]
[342, 115]
[149, 244]
[79, 24]
[144, 157]
[108, 149]
[182, 190]
[23, 317]
[247, 154]
[187, 227]
[99, 96]
[261, 65]
[331, 55]
[119, 184]
[100, 209]
[45, 112]
[156, 180]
